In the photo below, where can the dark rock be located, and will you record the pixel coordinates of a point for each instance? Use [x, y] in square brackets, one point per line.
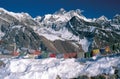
[2, 63]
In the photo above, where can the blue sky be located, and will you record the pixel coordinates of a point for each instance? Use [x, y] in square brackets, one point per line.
[92, 8]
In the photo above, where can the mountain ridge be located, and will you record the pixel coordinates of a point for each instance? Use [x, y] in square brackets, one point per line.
[69, 31]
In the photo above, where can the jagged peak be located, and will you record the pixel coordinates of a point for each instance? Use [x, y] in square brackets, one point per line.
[117, 16]
[103, 18]
[63, 11]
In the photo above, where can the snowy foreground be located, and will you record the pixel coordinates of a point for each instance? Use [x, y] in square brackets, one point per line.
[51, 67]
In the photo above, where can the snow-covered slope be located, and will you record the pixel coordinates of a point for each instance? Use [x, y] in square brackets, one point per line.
[54, 26]
[51, 67]
[18, 16]
[53, 35]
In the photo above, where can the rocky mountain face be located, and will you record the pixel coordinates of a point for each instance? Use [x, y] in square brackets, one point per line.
[61, 32]
[101, 32]
[16, 29]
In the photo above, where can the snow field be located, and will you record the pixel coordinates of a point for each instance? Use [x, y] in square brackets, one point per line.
[51, 67]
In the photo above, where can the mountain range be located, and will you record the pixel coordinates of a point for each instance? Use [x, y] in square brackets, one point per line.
[60, 32]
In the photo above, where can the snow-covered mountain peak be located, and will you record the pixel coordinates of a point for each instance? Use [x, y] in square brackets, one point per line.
[103, 18]
[18, 16]
[63, 15]
[117, 15]
[3, 10]
[60, 18]
[116, 20]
